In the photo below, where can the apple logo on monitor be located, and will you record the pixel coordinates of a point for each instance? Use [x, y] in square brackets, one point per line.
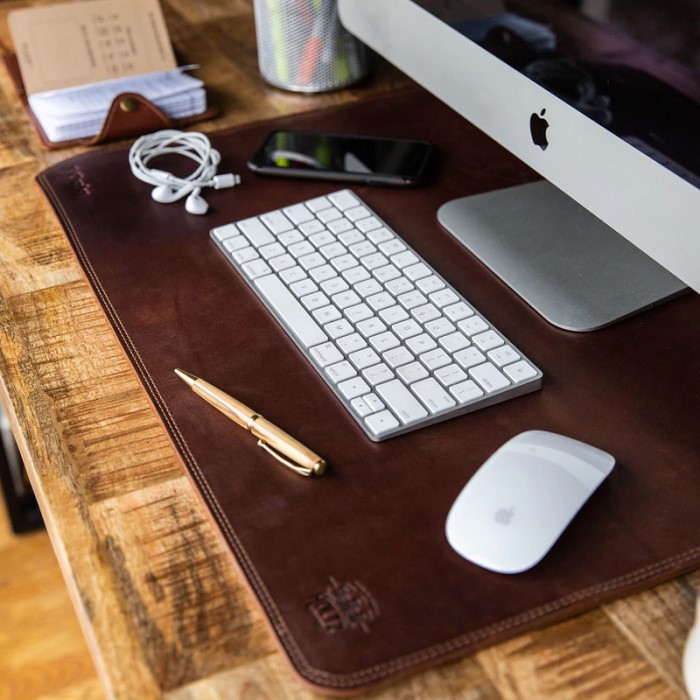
[538, 129]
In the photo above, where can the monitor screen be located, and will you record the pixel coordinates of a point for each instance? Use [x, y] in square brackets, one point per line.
[601, 97]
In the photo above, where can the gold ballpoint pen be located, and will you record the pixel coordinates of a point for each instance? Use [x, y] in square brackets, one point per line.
[283, 447]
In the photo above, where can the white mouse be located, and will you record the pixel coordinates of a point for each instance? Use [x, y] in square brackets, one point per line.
[521, 499]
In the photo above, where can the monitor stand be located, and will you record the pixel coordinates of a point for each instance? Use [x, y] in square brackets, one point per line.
[573, 269]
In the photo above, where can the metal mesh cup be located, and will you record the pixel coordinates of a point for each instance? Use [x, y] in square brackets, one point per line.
[303, 47]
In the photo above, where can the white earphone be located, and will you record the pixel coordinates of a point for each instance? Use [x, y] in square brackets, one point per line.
[170, 188]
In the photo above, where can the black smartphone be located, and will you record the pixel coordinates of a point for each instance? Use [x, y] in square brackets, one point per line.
[367, 159]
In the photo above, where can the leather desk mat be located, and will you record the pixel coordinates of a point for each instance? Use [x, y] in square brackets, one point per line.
[353, 569]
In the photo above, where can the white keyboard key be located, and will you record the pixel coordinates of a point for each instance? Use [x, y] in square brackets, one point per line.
[469, 357]
[487, 341]
[417, 271]
[351, 237]
[292, 274]
[364, 358]
[393, 315]
[355, 275]
[322, 273]
[392, 246]
[453, 342]
[407, 329]
[303, 287]
[374, 402]
[334, 285]
[362, 248]
[466, 391]
[271, 250]
[430, 284]
[400, 285]
[357, 213]
[277, 222]
[290, 237]
[379, 235]
[223, 232]
[368, 224]
[312, 260]
[368, 287]
[421, 343]
[380, 301]
[255, 231]
[449, 375]
[235, 243]
[298, 213]
[386, 273]
[371, 326]
[326, 354]
[322, 238]
[282, 262]
[384, 341]
[290, 310]
[353, 388]
[340, 371]
[458, 311]
[374, 260]
[361, 407]
[326, 314]
[377, 374]
[314, 301]
[397, 356]
[439, 327]
[313, 226]
[339, 328]
[520, 371]
[488, 377]
[318, 204]
[340, 225]
[412, 372]
[301, 248]
[332, 250]
[344, 299]
[381, 423]
[473, 325]
[256, 268]
[401, 401]
[358, 313]
[425, 313]
[245, 255]
[443, 297]
[503, 355]
[409, 300]
[435, 358]
[432, 395]
[344, 199]
[351, 343]
[404, 259]
[344, 262]
[330, 214]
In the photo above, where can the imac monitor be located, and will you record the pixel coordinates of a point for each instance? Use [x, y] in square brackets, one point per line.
[611, 124]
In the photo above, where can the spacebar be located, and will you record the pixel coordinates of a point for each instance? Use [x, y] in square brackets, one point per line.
[290, 311]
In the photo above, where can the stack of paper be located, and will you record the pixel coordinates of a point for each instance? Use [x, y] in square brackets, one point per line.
[75, 58]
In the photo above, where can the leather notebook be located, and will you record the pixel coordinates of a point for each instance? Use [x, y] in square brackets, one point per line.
[353, 569]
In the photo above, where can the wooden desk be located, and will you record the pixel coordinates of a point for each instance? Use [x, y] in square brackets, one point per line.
[163, 611]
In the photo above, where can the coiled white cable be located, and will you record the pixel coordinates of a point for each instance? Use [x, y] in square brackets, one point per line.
[170, 188]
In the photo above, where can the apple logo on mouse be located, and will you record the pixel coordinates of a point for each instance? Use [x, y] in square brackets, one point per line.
[538, 129]
[503, 516]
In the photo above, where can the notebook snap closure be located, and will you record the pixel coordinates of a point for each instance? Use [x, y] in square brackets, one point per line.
[128, 104]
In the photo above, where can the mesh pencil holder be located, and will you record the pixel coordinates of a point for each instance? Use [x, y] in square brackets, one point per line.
[303, 47]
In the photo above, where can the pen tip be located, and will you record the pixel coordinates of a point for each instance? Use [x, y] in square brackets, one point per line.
[186, 377]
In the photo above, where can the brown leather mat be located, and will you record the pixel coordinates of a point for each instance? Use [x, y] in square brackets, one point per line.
[353, 569]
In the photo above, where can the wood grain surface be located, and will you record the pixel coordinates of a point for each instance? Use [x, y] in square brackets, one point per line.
[163, 610]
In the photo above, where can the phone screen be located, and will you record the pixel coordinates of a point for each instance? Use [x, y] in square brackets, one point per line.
[340, 157]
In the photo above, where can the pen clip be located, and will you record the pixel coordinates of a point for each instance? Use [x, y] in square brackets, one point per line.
[304, 471]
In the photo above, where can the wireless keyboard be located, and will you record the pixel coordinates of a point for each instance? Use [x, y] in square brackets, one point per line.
[397, 344]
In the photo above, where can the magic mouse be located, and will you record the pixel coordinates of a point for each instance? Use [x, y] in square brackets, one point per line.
[522, 498]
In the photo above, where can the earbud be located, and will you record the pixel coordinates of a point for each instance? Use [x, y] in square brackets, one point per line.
[195, 204]
[166, 194]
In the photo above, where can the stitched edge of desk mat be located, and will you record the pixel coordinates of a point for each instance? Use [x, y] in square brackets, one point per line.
[418, 601]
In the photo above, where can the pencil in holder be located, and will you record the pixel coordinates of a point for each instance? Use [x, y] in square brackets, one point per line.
[303, 47]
